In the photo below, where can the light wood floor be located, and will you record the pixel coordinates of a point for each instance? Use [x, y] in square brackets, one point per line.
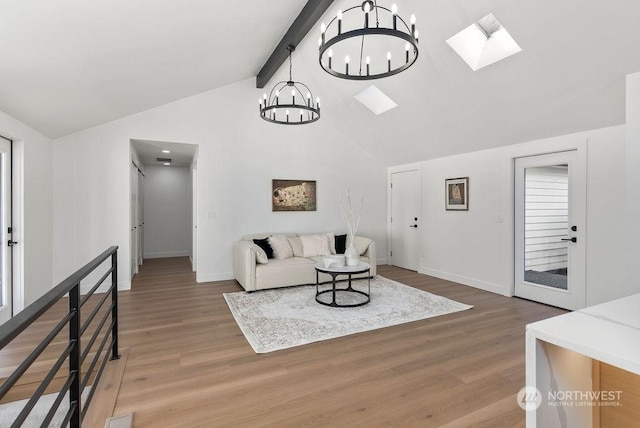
[190, 366]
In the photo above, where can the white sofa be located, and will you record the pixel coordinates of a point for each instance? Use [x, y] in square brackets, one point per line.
[254, 276]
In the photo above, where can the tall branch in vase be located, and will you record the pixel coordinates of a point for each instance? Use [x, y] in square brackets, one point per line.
[350, 217]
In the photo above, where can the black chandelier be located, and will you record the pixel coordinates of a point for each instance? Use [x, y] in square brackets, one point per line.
[277, 108]
[387, 33]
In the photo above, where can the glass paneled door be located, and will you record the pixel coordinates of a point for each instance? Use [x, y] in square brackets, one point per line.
[550, 204]
[6, 291]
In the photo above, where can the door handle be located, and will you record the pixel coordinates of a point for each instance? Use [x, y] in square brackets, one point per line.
[11, 243]
[415, 226]
[574, 239]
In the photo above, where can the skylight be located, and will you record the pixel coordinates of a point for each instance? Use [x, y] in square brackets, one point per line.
[375, 100]
[483, 43]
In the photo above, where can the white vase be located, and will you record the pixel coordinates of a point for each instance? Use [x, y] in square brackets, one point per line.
[352, 255]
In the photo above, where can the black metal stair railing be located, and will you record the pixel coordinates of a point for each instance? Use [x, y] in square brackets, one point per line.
[75, 352]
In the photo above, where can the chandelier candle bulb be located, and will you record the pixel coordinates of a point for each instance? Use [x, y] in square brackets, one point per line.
[389, 60]
[368, 61]
[339, 16]
[300, 115]
[413, 25]
[287, 115]
[346, 64]
[323, 28]
[293, 96]
[406, 49]
[416, 36]
[367, 9]
[394, 12]
[330, 55]
[308, 99]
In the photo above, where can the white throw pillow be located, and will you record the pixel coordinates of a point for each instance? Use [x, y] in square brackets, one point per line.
[332, 242]
[315, 245]
[261, 256]
[281, 247]
[296, 246]
[361, 244]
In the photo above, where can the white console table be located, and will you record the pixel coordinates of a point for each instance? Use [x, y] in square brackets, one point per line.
[561, 352]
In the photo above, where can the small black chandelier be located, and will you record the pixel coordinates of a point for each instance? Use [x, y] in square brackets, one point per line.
[277, 108]
[387, 33]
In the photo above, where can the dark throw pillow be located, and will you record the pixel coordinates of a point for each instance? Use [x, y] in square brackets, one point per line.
[264, 244]
[341, 244]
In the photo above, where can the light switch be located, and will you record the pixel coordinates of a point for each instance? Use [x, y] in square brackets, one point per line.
[211, 215]
[500, 218]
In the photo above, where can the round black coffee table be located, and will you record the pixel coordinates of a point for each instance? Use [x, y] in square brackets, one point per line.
[344, 270]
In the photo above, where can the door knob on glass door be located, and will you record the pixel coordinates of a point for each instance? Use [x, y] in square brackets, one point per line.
[574, 239]
[415, 225]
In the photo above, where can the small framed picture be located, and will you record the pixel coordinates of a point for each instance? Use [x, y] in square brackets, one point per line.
[293, 195]
[456, 194]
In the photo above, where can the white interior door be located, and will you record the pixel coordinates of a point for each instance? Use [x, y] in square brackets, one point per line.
[6, 290]
[133, 219]
[405, 218]
[140, 219]
[194, 218]
[550, 220]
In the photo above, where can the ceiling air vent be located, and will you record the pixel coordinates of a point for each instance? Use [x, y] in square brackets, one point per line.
[164, 159]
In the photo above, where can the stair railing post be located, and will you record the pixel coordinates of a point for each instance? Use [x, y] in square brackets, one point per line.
[114, 301]
[74, 356]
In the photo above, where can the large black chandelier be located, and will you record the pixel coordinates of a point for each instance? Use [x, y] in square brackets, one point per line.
[364, 33]
[281, 105]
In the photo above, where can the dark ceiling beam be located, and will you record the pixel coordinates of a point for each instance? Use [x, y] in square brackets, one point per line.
[310, 14]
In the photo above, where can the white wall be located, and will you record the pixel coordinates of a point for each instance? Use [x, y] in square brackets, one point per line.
[239, 155]
[167, 211]
[473, 248]
[632, 179]
[35, 238]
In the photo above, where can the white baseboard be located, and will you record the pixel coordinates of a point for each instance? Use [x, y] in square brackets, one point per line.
[382, 261]
[471, 282]
[210, 277]
[166, 254]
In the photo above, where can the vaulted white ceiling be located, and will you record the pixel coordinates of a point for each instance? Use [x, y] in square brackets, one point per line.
[72, 64]
[67, 65]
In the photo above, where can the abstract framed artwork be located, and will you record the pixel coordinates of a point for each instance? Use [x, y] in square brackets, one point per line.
[293, 195]
[457, 194]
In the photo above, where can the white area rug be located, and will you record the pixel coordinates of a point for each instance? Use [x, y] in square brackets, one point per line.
[286, 317]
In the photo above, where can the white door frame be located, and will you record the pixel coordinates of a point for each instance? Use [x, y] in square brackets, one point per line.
[6, 267]
[575, 298]
[390, 171]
